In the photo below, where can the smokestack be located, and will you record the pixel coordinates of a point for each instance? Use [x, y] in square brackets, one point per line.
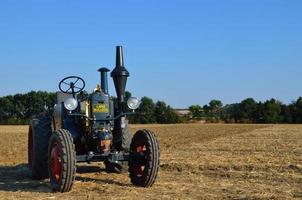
[119, 60]
[104, 79]
[120, 75]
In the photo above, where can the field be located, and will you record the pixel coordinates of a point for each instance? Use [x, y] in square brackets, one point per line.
[198, 161]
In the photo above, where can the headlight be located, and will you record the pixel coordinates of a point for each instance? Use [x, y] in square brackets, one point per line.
[71, 103]
[133, 103]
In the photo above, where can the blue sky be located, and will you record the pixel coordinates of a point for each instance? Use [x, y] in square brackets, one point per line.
[183, 52]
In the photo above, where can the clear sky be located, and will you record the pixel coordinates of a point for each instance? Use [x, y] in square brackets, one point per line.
[183, 52]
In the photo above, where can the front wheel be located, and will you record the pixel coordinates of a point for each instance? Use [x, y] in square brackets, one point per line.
[61, 161]
[144, 158]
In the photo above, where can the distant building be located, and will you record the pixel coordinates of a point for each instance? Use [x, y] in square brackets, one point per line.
[182, 112]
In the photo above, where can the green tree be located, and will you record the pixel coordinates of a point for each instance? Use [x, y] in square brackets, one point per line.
[145, 113]
[6, 109]
[286, 115]
[213, 111]
[19, 108]
[215, 108]
[165, 114]
[248, 110]
[296, 111]
[230, 113]
[272, 111]
[215, 104]
[196, 111]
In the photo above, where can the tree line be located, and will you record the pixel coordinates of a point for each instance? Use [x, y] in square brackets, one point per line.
[249, 111]
[159, 112]
[19, 108]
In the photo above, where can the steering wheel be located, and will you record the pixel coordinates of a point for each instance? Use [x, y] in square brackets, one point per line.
[72, 85]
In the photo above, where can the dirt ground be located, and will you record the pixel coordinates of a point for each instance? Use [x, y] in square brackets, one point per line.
[198, 161]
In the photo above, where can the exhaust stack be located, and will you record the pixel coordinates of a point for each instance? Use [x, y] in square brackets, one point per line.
[120, 75]
[104, 79]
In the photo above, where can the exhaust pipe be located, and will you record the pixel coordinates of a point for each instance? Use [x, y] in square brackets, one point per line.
[120, 75]
[104, 79]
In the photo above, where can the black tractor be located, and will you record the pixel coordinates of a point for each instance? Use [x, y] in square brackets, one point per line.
[91, 128]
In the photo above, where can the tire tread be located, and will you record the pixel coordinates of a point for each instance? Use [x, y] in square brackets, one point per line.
[68, 160]
[41, 130]
[152, 166]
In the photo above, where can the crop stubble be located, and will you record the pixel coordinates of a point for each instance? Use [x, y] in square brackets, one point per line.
[198, 161]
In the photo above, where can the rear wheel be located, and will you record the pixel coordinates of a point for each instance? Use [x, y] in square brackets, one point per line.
[61, 161]
[38, 136]
[144, 158]
[126, 137]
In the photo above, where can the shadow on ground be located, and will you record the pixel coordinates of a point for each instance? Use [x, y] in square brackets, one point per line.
[89, 169]
[17, 178]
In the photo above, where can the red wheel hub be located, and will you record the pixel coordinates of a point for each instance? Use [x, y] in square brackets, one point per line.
[56, 161]
[139, 169]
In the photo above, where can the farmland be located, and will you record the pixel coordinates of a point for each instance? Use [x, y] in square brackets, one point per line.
[198, 161]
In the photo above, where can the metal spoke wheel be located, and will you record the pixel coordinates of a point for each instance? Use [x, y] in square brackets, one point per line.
[144, 158]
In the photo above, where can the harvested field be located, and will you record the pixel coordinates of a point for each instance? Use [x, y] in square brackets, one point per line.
[198, 161]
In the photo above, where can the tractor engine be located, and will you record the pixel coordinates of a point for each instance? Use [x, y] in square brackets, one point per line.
[101, 107]
[101, 110]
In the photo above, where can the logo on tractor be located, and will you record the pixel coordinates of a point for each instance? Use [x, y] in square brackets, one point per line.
[100, 108]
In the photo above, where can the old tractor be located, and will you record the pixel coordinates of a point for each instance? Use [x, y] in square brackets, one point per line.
[91, 128]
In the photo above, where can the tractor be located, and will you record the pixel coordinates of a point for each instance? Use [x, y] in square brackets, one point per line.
[89, 128]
